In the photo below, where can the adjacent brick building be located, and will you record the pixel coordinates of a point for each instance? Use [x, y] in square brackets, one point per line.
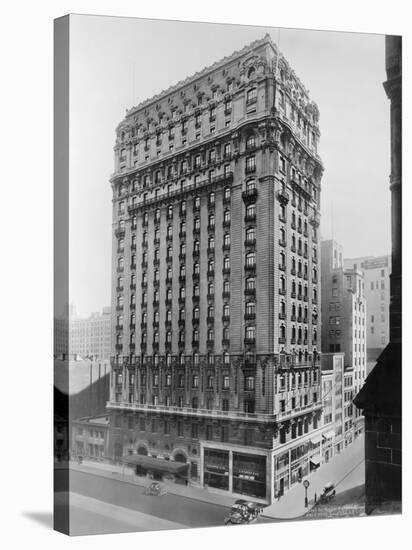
[215, 295]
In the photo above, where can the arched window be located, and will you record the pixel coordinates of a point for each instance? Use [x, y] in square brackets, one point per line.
[250, 185]
[250, 141]
[251, 235]
[226, 216]
[250, 283]
[196, 313]
[251, 259]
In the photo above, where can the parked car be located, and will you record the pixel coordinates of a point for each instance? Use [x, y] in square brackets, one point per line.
[243, 512]
[155, 489]
[328, 493]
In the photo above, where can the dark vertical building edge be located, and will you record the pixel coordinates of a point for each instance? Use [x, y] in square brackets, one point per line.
[381, 397]
[61, 245]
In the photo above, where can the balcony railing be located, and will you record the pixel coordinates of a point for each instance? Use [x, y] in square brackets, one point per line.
[250, 242]
[249, 341]
[250, 218]
[250, 291]
[283, 197]
[119, 232]
[250, 266]
[249, 195]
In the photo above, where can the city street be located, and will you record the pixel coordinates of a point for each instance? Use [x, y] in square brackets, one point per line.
[123, 506]
[102, 502]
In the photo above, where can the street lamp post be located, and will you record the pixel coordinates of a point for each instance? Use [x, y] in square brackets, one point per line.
[306, 485]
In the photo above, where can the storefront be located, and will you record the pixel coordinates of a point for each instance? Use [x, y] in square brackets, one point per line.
[249, 475]
[299, 463]
[327, 445]
[315, 453]
[216, 468]
[281, 474]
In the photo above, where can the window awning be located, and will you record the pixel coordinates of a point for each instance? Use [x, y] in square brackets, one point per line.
[316, 439]
[328, 435]
[157, 464]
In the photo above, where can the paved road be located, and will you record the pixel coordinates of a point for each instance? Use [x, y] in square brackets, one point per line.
[178, 510]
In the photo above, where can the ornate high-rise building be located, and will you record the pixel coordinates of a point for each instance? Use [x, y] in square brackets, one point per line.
[215, 294]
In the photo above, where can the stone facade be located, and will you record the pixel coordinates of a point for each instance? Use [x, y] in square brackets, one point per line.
[216, 197]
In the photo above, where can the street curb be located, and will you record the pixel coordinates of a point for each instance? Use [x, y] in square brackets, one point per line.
[227, 506]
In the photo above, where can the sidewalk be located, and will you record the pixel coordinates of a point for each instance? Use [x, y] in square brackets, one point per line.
[345, 470]
[127, 475]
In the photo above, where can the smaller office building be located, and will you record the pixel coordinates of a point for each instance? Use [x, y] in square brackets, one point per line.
[90, 437]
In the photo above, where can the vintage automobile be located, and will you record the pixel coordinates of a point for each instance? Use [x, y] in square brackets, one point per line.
[328, 493]
[154, 489]
[243, 512]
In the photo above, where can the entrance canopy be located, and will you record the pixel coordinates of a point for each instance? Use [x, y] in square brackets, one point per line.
[156, 464]
[329, 435]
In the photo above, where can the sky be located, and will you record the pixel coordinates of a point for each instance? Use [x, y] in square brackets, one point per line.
[117, 62]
